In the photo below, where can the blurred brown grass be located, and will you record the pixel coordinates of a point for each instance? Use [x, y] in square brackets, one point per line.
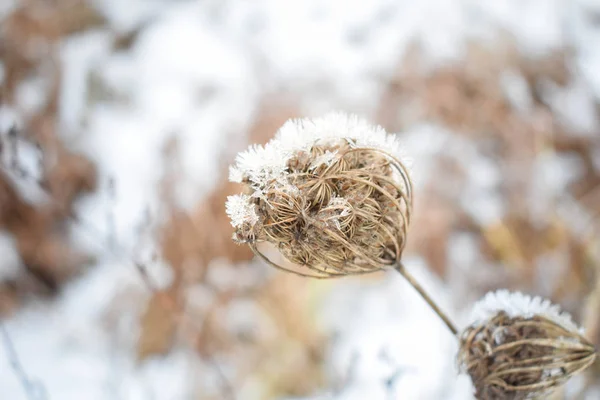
[468, 97]
[28, 49]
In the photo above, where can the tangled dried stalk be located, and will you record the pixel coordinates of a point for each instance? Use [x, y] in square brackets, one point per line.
[346, 217]
[522, 358]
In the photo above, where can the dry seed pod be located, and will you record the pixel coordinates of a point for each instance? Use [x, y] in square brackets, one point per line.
[330, 194]
[520, 347]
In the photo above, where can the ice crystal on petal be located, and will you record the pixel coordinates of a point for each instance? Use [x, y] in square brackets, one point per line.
[235, 175]
[240, 210]
[263, 164]
[340, 203]
[324, 159]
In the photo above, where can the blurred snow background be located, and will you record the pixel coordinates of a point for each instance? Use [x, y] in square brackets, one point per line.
[117, 276]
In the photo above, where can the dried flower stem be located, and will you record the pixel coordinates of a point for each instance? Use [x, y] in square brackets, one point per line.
[413, 282]
[34, 389]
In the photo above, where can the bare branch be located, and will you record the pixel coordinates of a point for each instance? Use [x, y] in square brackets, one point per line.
[34, 389]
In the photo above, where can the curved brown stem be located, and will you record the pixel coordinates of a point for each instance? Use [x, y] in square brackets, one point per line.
[402, 270]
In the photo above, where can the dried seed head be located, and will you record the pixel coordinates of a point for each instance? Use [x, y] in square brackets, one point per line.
[519, 347]
[330, 194]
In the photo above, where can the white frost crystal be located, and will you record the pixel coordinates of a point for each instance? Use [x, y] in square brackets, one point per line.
[240, 210]
[263, 164]
[516, 304]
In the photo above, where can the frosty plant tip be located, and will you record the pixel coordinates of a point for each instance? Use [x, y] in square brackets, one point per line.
[519, 347]
[331, 194]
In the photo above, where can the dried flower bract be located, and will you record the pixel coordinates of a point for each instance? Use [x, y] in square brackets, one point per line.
[331, 194]
[520, 347]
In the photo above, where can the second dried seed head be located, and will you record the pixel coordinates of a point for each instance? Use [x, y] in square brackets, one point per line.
[519, 347]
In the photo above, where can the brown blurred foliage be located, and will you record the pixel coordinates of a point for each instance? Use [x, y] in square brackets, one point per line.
[469, 98]
[28, 39]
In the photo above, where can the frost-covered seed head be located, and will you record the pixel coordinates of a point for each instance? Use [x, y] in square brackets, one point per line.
[521, 347]
[331, 194]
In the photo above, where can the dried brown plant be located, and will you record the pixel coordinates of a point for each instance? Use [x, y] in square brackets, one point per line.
[349, 217]
[522, 358]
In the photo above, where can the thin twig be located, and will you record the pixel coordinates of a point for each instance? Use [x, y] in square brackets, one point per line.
[33, 388]
[402, 270]
[178, 312]
[349, 375]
